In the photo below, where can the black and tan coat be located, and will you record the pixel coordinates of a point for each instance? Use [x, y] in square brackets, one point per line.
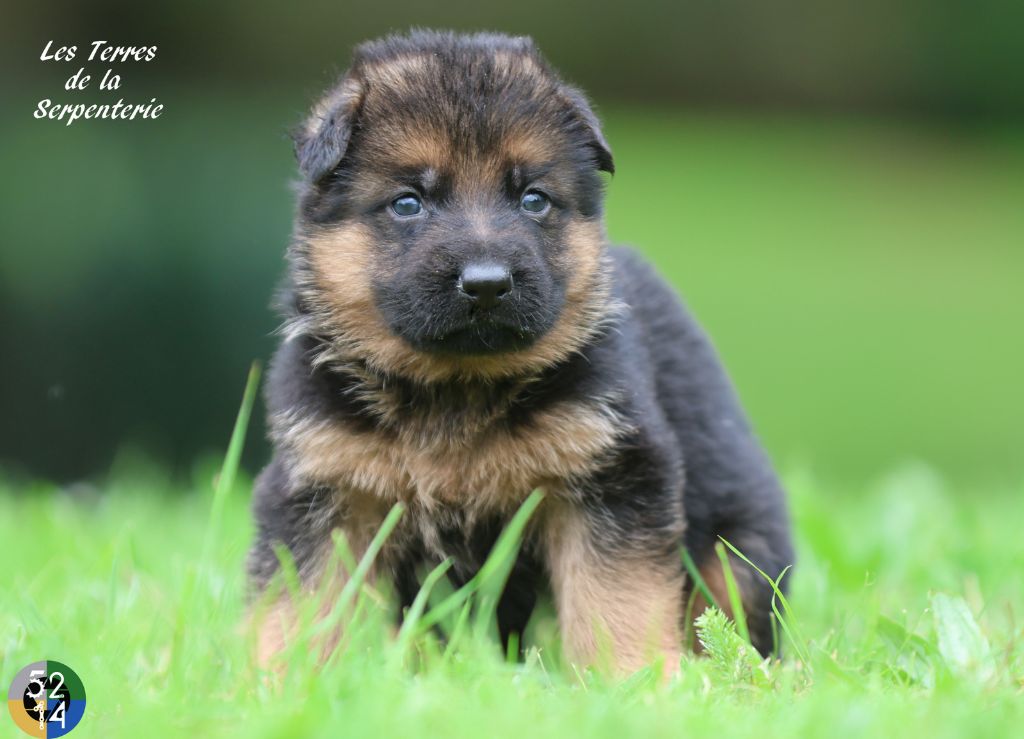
[582, 376]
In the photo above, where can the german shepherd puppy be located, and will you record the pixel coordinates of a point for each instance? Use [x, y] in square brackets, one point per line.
[459, 333]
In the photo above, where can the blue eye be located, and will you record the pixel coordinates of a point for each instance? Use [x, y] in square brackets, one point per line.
[534, 201]
[406, 205]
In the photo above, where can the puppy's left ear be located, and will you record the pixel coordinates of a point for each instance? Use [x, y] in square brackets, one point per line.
[592, 126]
[320, 143]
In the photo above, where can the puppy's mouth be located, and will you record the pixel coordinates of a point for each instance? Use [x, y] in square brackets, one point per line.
[480, 334]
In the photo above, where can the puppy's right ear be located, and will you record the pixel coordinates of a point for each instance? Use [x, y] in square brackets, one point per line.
[320, 143]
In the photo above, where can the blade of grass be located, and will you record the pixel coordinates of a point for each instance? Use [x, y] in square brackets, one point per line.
[774, 622]
[691, 567]
[225, 482]
[688, 631]
[799, 646]
[789, 625]
[287, 571]
[343, 551]
[419, 604]
[739, 616]
[458, 631]
[498, 566]
[229, 469]
[512, 653]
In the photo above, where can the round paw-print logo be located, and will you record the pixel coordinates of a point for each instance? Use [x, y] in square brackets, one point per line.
[46, 699]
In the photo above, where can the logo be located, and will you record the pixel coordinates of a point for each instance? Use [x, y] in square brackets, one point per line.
[46, 699]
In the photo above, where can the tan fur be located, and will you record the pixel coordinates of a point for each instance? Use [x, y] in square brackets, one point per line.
[398, 72]
[341, 260]
[418, 147]
[408, 143]
[528, 147]
[275, 629]
[412, 144]
[519, 65]
[484, 468]
[626, 610]
[280, 626]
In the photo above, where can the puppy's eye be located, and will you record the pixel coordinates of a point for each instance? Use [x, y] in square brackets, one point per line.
[534, 201]
[406, 205]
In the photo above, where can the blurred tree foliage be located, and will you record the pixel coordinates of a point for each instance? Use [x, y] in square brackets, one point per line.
[949, 57]
[137, 260]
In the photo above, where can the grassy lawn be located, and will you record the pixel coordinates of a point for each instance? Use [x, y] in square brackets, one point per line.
[905, 614]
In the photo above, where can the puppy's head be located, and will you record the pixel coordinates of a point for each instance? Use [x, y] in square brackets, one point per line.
[450, 216]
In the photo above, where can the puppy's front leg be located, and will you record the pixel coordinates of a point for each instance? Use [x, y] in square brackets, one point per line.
[301, 518]
[618, 594]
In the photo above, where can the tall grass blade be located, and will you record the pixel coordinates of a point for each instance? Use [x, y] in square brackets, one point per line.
[410, 621]
[739, 615]
[698, 580]
[229, 468]
[788, 623]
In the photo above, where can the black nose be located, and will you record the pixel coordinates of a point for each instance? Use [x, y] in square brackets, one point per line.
[486, 283]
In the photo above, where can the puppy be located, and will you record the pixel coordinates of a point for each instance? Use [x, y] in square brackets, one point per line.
[459, 333]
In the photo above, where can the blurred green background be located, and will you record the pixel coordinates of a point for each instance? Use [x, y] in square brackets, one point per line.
[837, 190]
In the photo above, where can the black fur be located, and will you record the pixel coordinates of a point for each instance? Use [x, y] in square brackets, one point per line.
[686, 467]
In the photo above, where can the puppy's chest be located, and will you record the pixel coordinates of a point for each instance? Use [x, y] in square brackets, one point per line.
[492, 467]
[441, 531]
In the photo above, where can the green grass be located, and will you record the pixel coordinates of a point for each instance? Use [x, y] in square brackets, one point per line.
[902, 618]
